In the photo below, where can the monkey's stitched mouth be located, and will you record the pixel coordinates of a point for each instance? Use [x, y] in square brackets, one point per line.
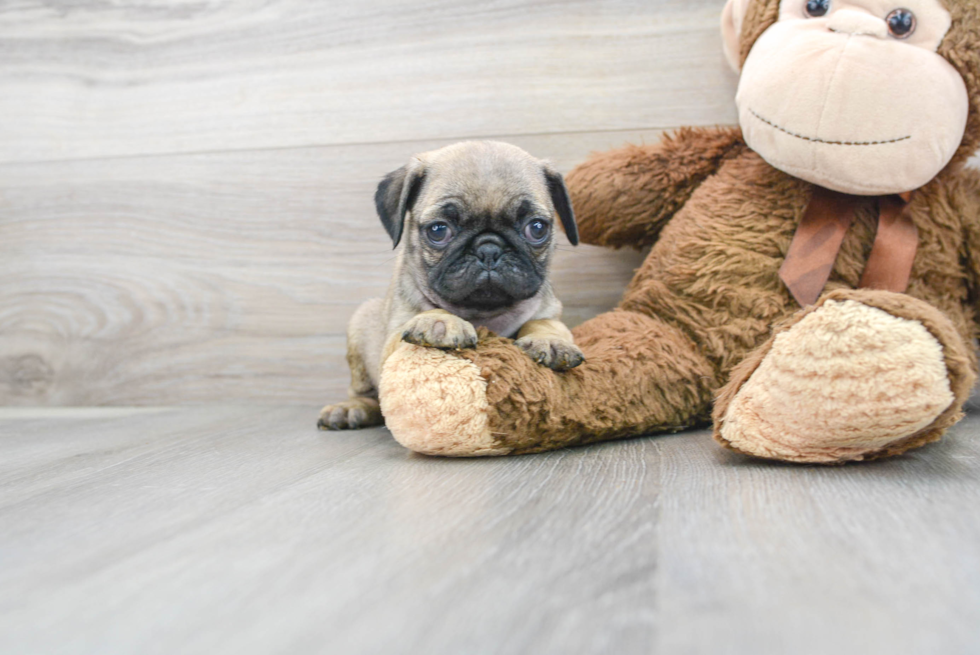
[831, 143]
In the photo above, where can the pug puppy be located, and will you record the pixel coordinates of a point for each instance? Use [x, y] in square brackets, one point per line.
[473, 227]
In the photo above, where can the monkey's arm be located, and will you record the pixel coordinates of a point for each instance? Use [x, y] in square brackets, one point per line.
[624, 197]
[965, 199]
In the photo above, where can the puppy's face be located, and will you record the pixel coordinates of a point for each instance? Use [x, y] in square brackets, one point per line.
[478, 224]
[485, 252]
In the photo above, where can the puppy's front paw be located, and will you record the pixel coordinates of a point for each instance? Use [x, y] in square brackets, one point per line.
[440, 331]
[556, 354]
[351, 414]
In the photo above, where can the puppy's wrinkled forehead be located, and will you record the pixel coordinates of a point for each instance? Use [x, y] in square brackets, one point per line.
[486, 176]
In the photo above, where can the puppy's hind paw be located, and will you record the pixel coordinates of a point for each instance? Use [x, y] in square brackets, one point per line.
[440, 330]
[556, 354]
[351, 414]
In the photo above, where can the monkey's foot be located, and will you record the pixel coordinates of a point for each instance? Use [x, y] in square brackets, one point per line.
[435, 403]
[863, 374]
[351, 414]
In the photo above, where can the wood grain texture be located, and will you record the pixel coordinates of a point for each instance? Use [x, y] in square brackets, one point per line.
[96, 79]
[185, 187]
[204, 278]
[234, 530]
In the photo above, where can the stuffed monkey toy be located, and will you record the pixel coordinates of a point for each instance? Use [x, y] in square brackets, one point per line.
[813, 284]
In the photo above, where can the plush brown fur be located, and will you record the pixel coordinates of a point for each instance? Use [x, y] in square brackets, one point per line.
[648, 185]
[640, 375]
[961, 48]
[702, 310]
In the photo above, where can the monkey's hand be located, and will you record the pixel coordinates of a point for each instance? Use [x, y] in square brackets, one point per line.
[439, 329]
[624, 197]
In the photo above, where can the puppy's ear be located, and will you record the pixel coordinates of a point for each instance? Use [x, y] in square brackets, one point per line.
[562, 203]
[395, 196]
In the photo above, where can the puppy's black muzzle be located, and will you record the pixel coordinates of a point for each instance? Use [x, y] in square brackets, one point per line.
[486, 273]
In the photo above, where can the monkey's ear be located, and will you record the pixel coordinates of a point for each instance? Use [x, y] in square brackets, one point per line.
[562, 203]
[731, 30]
[395, 196]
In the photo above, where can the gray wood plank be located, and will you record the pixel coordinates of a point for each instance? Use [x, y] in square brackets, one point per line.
[778, 559]
[211, 278]
[213, 530]
[94, 79]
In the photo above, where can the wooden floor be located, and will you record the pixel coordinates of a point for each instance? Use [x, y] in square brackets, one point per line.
[186, 218]
[245, 530]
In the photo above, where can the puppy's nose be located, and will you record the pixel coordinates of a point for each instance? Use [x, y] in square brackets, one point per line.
[488, 249]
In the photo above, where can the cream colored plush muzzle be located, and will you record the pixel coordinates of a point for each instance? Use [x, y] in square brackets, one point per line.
[839, 102]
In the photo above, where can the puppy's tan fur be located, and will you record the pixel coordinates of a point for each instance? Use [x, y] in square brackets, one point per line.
[488, 178]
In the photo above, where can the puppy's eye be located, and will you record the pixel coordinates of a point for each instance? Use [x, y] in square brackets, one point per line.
[901, 23]
[537, 231]
[817, 8]
[438, 234]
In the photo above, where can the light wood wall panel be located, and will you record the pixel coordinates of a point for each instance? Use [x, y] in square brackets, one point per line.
[94, 79]
[202, 278]
[185, 186]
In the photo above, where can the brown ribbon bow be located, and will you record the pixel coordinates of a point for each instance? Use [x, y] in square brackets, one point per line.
[818, 239]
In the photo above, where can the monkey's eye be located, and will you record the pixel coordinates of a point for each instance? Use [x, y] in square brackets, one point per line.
[817, 8]
[438, 233]
[537, 231]
[901, 23]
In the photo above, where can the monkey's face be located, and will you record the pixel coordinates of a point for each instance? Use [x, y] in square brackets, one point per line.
[853, 96]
